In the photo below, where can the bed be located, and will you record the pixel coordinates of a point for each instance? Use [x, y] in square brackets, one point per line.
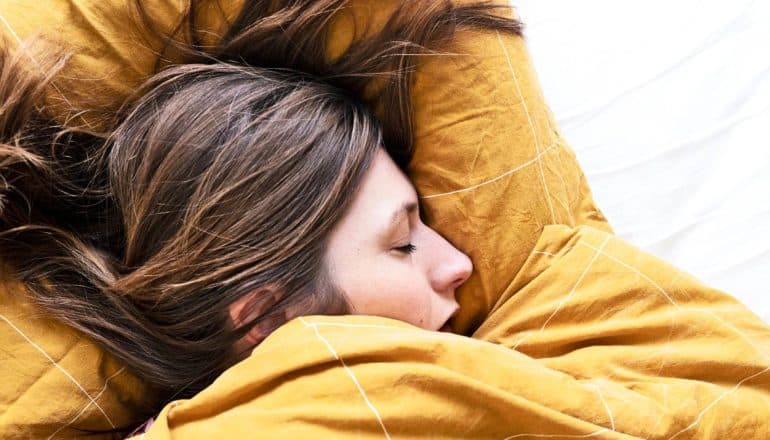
[576, 333]
[667, 106]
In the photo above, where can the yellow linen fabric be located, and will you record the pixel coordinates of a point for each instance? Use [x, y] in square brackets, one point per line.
[56, 383]
[610, 343]
[490, 163]
[490, 166]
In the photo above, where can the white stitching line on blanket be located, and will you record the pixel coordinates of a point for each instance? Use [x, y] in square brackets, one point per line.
[561, 253]
[569, 295]
[671, 300]
[651, 281]
[88, 405]
[412, 333]
[59, 367]
[635, 270]
[721, 396]
[531, 124]
[350, 373]
[494, 179]
[593, 434]
[604, 402]
[567, 202]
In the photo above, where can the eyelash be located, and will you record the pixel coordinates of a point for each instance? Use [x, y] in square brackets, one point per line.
[408, 249]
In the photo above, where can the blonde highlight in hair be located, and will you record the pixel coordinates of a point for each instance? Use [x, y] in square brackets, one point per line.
[376, 65]
[219, 177]
[205, 198]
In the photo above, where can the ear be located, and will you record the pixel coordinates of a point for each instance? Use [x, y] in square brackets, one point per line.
[250, 307]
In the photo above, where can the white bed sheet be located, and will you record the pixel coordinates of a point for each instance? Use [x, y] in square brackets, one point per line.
[667, 105]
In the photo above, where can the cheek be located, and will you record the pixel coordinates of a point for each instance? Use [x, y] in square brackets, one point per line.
[410, 297]
[389, 288]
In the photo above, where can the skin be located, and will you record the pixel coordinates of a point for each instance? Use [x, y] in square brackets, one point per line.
[383, 258]
[387, 261]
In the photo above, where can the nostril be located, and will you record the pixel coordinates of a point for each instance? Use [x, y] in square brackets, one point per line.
[464, 270]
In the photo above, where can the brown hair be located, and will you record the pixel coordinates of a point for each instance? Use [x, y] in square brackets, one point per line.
[377, 64]
[220, 179]
[209, 197]
[224, 193]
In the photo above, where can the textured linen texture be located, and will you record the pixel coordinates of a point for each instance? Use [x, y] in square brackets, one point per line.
[490, 166]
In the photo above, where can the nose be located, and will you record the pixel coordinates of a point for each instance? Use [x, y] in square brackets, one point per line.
[462, 267]
[451, 267]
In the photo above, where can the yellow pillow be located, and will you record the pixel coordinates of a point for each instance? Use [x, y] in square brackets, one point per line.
[55, 382]
[490, 164]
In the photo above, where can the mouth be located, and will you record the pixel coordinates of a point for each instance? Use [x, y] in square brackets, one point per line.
[446, 328]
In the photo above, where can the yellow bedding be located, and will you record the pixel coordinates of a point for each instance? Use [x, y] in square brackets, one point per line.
[56, 383]
[610, 343]
[490, 163]
[607, 339]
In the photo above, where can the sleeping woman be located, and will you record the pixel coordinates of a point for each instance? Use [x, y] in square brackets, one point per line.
[230, 199]
[214, 218]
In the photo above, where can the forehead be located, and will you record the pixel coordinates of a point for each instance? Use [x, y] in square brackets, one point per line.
[384, 189]
[386, 179]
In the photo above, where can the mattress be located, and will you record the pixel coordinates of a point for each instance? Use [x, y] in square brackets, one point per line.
[667, 106]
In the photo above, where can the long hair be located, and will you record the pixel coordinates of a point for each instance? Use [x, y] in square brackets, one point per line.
[376, 62]
[220, 180]
[219, 177]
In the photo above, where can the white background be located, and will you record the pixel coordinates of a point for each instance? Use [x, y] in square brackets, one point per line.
[667, 105]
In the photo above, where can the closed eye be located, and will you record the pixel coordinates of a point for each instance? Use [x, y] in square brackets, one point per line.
[408, 249]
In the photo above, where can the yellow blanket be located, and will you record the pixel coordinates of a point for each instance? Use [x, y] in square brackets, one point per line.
[609, 342]
[601, 341]
[490, 165]
[55, 382]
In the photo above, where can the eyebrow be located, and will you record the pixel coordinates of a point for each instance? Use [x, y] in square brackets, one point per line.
[406, 207]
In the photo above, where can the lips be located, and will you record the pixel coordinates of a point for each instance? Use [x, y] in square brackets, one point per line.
[446, 327]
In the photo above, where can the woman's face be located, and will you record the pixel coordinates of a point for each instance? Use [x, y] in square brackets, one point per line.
[386, 261]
